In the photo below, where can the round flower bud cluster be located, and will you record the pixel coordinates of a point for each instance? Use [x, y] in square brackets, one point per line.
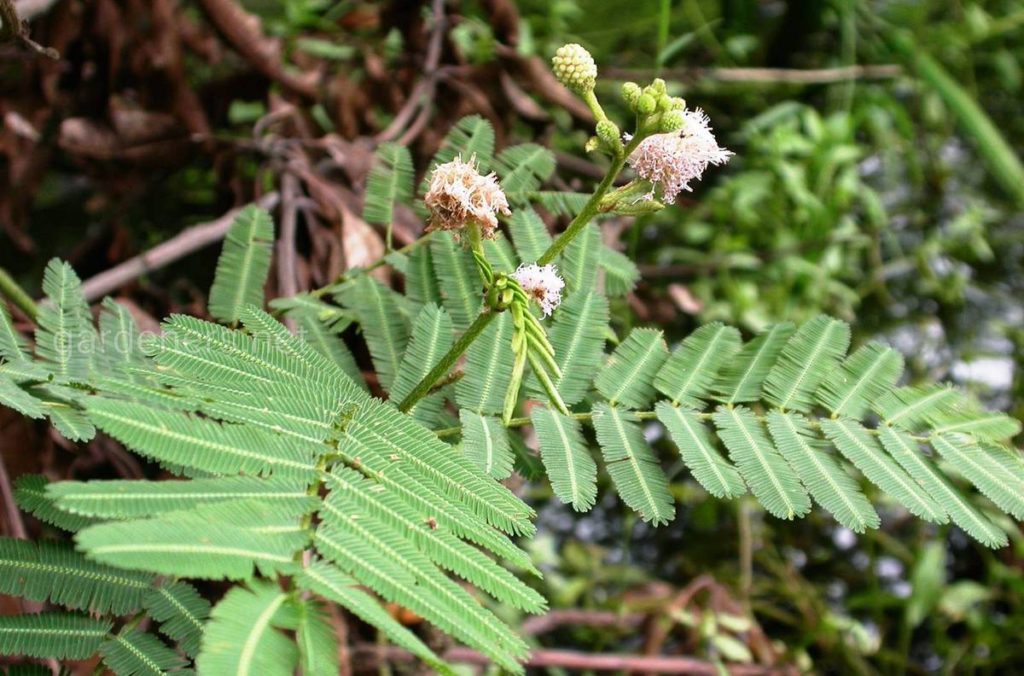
[671, 161]
[458, 195]
[575, 68]
[663, 113]
[542, 284]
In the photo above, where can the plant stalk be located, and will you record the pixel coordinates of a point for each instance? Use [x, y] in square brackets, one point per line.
[17, 295]
[448, 360]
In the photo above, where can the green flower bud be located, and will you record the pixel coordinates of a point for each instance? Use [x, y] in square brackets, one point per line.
[671, 121]
[646, 104]
[631, 94]
[575, 68]
[609, 132]
[676, 103]
[658, 87]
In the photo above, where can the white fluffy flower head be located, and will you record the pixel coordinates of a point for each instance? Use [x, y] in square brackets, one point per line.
[671, 161]
[542, 284]
[458, 195]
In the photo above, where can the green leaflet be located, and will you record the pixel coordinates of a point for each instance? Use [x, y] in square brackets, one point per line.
[906, 452]
[420, 283]
[332, 346]
[911, 408]
[771, 480]
[628, 376]
[181, 612]
[218, 541]
[357, 495]
[55, 572]
[741, 377]
[328, 581]
[828, 482]
[198, 442]
[807, 358]
[318, 646]
[577, 334]
[500, 254]
[978, 466]
[459, 282]
[66, 339]
[485, 442]
[382, 322]
[243, 264]
[579, 263]
[620, 272]
[52, 634]
[632, 465]
[860, 448]
[561, 203]
[571, 470]
[431, 337]
[523, 168]
[689, 374]
[31, 496]
[390, 182]
[693, 440]
[529, 234]
[120, 338]
[865, 376]
[18, 399]
[134, 653]
[133, 499]
[13, 346]
[242, 636]
[488, 361]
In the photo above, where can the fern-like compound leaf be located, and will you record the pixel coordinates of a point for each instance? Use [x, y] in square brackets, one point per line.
[55, 635]
[242, 637]
[181, 612]
[13, 345]
[55, 572]
[328, 581]
[807, 358]
[30, 492]
[14, 397]
[632, 465]
[431, 337]
[390, 182]
[328, 343]
[689, 374]
[383, 435]
[627, 378]
[828, 482]
[222, 540]
[561, 203]
[420, 281]
[579, 264]
[459, 281]
[500, 254]
[485, 442]
[865, 376]
[965, 515]
[66, 339]
[529, 234]
[243, 264]
[571, 469]
[472, 136]
[132, 652]
[359, 495]
[315, 637]
[620, 272]
[766, 472]
[911, 408]
[863, 450]
[742, 376]
[120, 338]
[577, 334]
[119, 499]
[488, 363]
[523, 168]
[385, 327]
[693, 439]
[199, 443]
[977, 464]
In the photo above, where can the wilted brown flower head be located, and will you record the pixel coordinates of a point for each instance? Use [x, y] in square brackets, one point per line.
[458, 195]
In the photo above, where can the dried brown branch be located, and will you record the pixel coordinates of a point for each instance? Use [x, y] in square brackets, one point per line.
[13, 29]
[192, 239]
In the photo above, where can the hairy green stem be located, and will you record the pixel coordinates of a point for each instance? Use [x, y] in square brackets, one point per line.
[17, 295]
[592, 207]
[448, 360]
